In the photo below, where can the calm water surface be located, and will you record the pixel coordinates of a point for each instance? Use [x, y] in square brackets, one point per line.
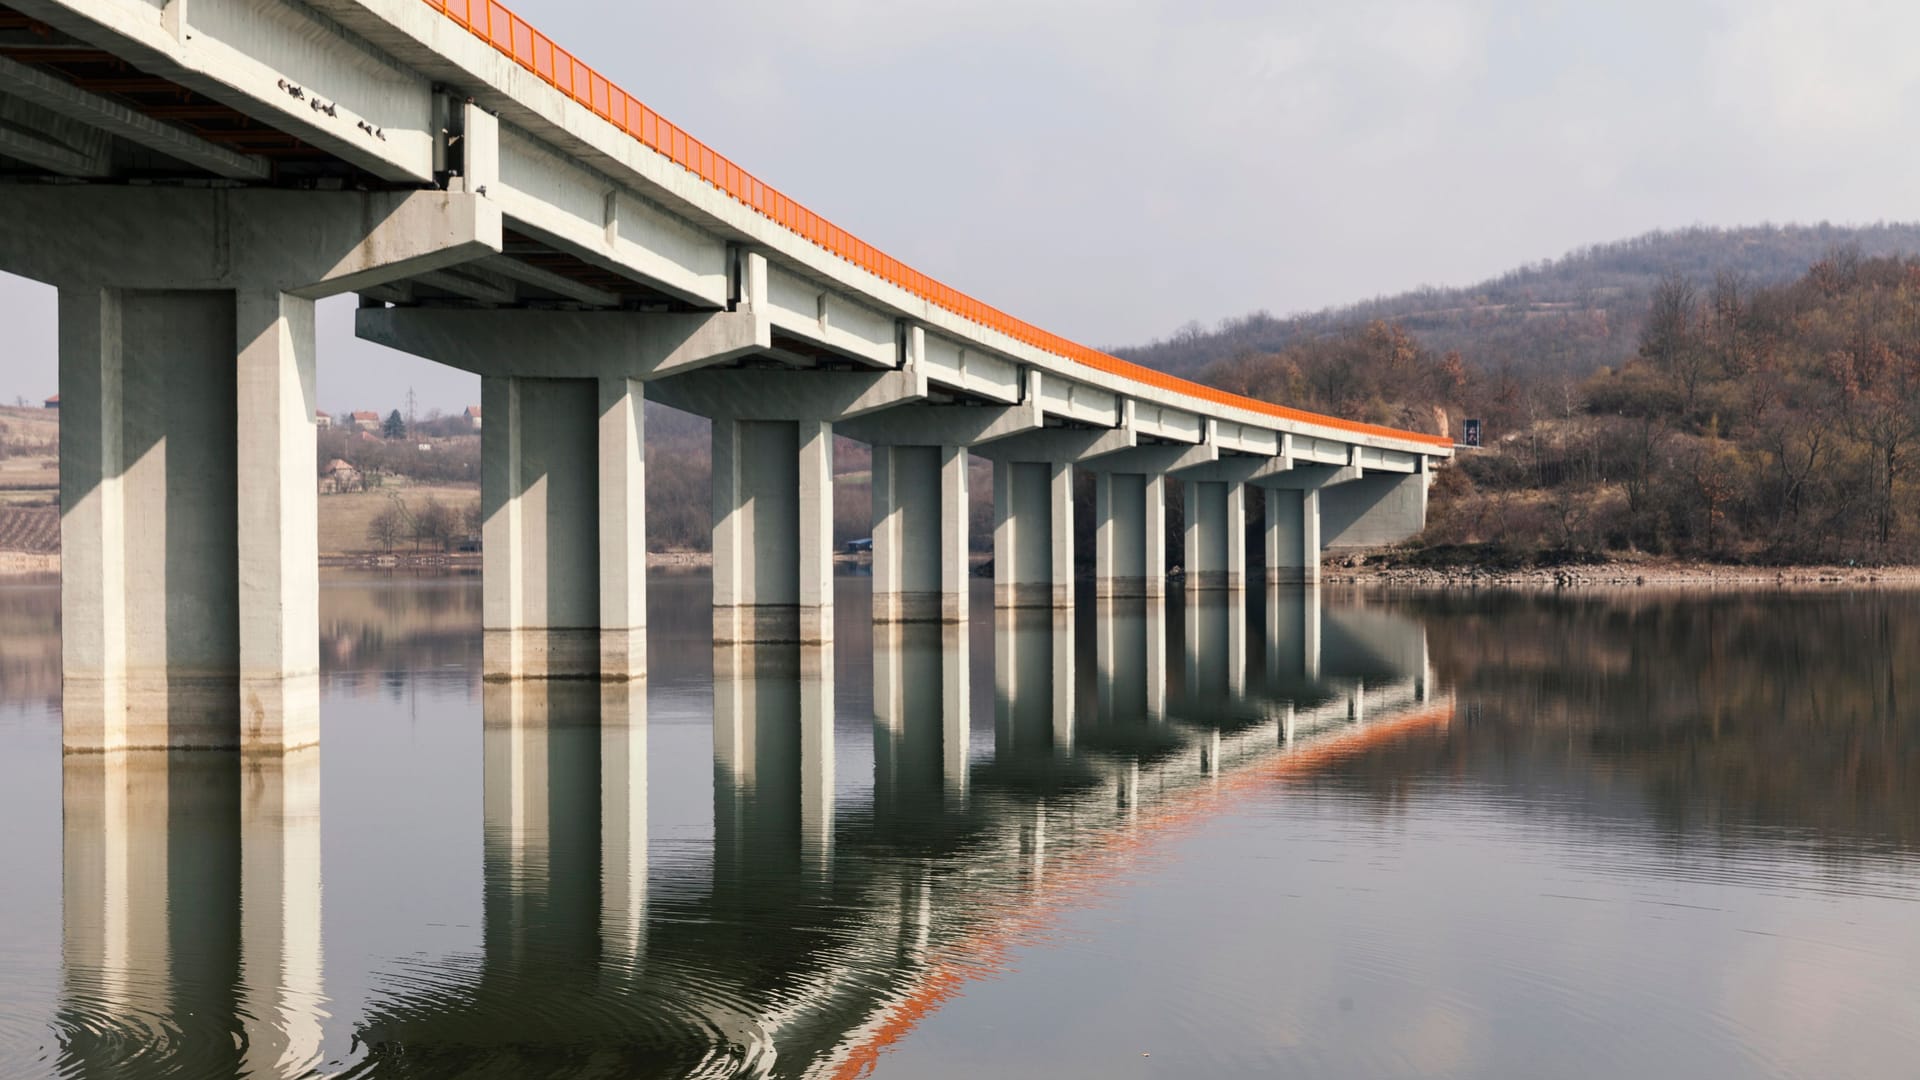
[1352, 835]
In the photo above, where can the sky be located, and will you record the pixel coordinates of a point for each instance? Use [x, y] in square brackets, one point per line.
[1111, 169]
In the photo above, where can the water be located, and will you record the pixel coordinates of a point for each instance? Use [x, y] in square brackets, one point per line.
[1360, 836]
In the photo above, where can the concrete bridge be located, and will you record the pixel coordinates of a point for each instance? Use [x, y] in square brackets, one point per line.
[193, 174]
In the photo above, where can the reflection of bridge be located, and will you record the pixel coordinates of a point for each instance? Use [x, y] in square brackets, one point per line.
[194, 175]
[819, 931]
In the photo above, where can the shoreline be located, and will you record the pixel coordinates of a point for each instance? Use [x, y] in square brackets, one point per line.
[1624, 574]
[1352, 570]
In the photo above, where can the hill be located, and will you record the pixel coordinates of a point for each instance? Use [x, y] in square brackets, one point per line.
[1564, 316]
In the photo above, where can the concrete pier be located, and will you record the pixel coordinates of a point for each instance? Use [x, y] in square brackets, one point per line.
[1293, 536]
[1033, 534]
[1216, 535]
[772, 531]
[920, 557]
[563, 529]
[190, 582]
[1124, 505]
[150, 596]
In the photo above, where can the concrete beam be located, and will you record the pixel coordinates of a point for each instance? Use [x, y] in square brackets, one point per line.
[566, 344]
[942, 425]
[563, 201]
[1060, 445]
[47, 140]
[1237, 469]
[528, 274]
[1159, 459]
[471, 282]
[775, 394]
[66, 99]
[1306, 476]
[309, 243]
[248, 56]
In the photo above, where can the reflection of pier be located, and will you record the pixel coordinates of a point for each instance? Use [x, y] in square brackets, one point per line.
[817, 931]
[191, 915]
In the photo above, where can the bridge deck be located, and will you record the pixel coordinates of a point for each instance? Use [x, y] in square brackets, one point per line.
[515, 38]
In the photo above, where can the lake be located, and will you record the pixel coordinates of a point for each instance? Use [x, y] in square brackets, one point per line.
[1337, 833]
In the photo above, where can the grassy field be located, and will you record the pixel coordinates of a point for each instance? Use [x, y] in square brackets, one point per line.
[344, 518]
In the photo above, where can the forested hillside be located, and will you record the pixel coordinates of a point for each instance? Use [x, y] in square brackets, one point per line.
[1779, 424]
[1561, 316]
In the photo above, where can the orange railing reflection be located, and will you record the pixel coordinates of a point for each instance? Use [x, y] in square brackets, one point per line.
[531, 49]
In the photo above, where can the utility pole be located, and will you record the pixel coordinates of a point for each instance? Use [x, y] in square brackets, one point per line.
[410, 421]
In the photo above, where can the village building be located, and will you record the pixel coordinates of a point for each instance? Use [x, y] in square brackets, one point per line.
[340, 477]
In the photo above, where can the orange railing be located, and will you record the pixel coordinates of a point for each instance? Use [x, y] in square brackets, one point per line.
[512, 36]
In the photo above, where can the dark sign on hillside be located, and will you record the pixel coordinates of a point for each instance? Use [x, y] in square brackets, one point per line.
[1470, 433]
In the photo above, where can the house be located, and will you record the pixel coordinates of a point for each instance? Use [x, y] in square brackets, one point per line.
[54, 403]
[473, 417]
[322, 418]
[365, 421]
[340, 477]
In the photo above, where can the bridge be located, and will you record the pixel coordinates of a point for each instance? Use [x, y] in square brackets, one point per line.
[192, 175]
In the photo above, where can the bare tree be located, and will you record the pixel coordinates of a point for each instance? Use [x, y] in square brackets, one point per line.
[389, 526]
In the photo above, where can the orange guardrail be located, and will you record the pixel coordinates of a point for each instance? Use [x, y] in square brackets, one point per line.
[515, 38]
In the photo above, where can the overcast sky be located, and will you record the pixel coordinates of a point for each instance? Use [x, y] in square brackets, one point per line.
[1110, 169]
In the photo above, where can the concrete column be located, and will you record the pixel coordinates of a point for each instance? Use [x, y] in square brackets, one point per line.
[956, 511]
[540, 496]
[1154, 503]
[1060, 507]
[1024, 546]
[772, 531]
[1121, 542]
[1236, 535]
[623, 530]
[279, 523]
[919, 533]
[1208, 526]
[151, 599]
[1293, 537]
